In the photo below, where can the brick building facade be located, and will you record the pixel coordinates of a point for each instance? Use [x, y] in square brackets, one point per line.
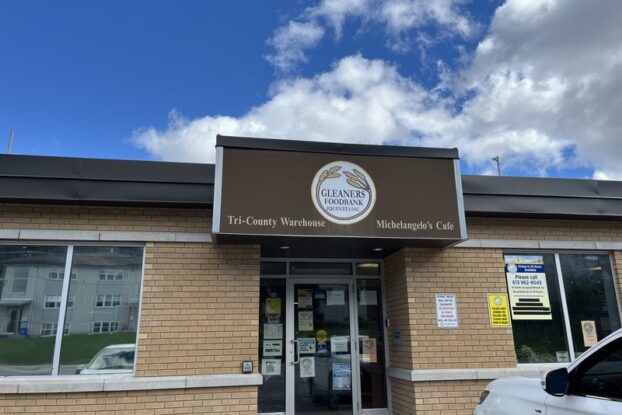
[205, 306]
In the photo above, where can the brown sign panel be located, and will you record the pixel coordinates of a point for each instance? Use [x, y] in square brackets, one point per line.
[295, 193]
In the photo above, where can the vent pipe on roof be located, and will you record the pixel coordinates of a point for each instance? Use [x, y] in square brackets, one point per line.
[10, 147]
[496, 160]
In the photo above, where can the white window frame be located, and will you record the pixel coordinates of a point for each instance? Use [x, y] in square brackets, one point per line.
[56, 299]
[110, 275]
[13, 284]
[57, 272]
[108, 300]
[48, 326]
[109, 324]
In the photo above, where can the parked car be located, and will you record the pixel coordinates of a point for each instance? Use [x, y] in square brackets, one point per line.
[111, 360]
[592, 384]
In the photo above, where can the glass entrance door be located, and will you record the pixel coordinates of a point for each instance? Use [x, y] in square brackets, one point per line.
[320, 348]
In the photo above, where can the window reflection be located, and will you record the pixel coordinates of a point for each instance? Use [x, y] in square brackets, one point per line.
[591, 298]
[29, 306]
[104, 316]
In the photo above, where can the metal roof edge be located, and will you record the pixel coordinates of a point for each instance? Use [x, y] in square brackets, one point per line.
[337, 148]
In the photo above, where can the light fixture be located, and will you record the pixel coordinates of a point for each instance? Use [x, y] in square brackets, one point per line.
[367, 265]
[284, 247]
[377, 249]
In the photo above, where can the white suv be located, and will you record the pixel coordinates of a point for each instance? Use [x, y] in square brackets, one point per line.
[592, 384]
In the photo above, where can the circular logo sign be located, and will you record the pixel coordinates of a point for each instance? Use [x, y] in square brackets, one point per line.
[343, 192]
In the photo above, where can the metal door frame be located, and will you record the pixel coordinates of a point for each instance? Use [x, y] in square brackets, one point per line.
[289, 337]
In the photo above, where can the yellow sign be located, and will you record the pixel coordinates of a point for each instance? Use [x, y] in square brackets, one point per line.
[321, 335]
[273, 306]
[499, 311]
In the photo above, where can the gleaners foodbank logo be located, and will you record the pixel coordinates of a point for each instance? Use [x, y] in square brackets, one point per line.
[343, 192]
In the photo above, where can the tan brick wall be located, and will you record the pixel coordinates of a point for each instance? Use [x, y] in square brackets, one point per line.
[398, 292]
[98, 218]
[470, 274]
[200, 309]
[232, 401]
[456, 397]
[414, 276]
[402, 397]
[544, 229]
[199, 312]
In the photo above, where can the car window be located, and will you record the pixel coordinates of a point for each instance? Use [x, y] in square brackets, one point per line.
[601, 374]
[113, 359]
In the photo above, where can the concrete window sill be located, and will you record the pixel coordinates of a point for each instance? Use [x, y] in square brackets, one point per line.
[105, 383]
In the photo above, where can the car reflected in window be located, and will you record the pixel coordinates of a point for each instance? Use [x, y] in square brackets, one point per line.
[113, 359]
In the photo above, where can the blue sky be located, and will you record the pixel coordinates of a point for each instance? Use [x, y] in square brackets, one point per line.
[537, 82]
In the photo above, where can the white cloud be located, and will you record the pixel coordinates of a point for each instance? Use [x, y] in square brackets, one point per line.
[335, 12]
[291, 41]
[399, 17]
[404, 15]
[554, 67]
[542, 91]
[358, 101]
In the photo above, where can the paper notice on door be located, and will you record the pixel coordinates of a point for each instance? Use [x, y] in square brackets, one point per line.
[307, 367]
[305, 320]
[273, 306]
[272, 347]
[306, 345]
[305, 298]
[339, 344]
[369, 350]
[590, 337]
[272, 331]
[335, 297]
[342, 377]
[271, 367]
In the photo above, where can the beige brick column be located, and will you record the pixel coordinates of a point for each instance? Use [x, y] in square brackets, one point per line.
[413, 277]
[200, 309]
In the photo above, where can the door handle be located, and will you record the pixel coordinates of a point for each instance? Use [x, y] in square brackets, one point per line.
[297, 360]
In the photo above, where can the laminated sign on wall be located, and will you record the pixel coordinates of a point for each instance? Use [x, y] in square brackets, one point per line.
[446, 311]
[529, 295]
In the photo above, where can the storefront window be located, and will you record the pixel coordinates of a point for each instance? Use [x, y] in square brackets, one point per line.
[105, 313]
[32, 302]
[540, 308]
[591, 298]
[538, 338]
[27, 326]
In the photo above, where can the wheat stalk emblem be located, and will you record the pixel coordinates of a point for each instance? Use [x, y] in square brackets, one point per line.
[329, 174]
[354, 178]
[358, 180]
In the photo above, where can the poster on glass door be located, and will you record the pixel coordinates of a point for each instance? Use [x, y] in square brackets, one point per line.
[342, 377]
[529, 294]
